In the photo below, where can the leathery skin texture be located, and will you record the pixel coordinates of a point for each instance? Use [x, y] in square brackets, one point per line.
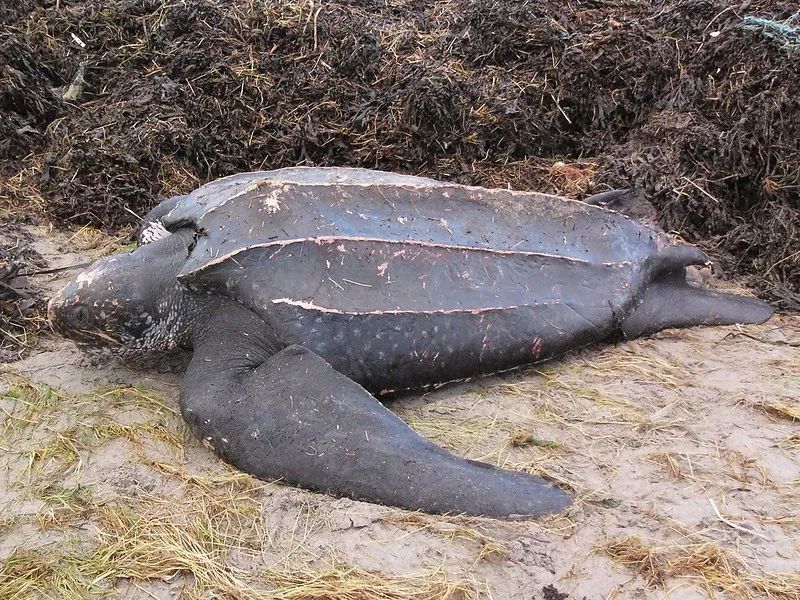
[305, 293]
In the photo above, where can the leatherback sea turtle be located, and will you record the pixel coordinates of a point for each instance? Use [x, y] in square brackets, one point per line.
[304, 291]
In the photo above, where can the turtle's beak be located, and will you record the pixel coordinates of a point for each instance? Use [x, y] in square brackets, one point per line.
[70, 317]
[73, 310]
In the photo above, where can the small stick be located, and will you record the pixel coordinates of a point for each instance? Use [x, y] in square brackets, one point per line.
[54, 270]
[734, 525]
[702, 191]
[133, 213]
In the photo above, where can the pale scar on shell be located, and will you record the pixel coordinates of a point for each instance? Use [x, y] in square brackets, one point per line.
[271, 201]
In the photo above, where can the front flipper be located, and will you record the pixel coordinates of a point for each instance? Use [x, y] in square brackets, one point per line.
[295, 418]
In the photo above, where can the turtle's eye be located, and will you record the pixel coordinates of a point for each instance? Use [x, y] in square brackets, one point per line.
[81, 316]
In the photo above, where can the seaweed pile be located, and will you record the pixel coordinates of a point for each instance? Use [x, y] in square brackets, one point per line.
[21, 304]
[107, 107]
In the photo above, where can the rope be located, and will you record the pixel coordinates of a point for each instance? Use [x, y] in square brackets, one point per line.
[786, 32]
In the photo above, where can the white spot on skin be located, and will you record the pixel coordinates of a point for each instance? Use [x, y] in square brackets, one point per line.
[382, 269]
[271, 201]
[154, 231]
[89, 276]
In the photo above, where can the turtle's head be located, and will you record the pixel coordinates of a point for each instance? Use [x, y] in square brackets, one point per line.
[127, 304]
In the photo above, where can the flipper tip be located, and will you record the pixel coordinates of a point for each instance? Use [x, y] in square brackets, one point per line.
[489, 491]
[674, 303]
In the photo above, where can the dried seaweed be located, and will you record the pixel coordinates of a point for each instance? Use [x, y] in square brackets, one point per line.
[21, 304]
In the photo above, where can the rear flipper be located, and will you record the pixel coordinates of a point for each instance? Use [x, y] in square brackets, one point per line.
[295, 418]
[669, 301]
[627, 202]
[607, 197]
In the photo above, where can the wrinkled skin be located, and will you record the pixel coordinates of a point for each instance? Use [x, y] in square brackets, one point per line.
[128, 305]
[302, 292]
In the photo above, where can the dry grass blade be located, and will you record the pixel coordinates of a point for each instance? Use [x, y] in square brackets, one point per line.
[715, 569]
[633, 366]
[640, 556]
[452, 528]
[23, 402]
[783, 409]
[352, 583]
[461, 435]
[55, 431]
[161, 539]
[57, 456]
[791, 442]
[525, 438]
[680, 466]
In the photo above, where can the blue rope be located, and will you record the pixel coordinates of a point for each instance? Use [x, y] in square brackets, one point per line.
[786, 32]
